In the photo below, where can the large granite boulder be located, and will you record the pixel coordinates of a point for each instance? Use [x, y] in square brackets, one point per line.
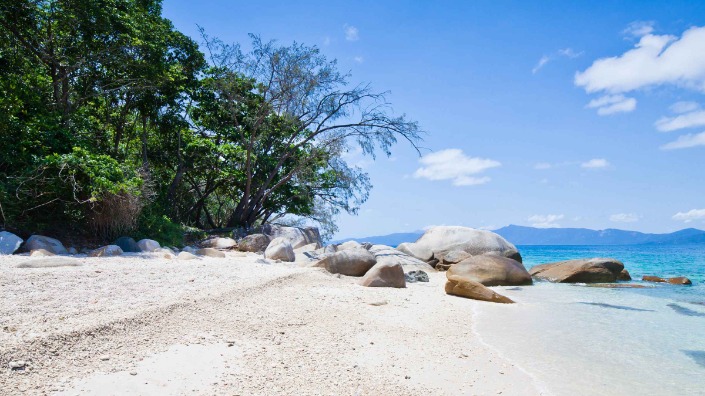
[387, 254]
[219, 243]
[594, 270]
[9, 242]
[41, 242]
[352, 262]
[441, 240]
[106, 251]
[468, 288]
[280, 249]
[384, 275]
[127, 244]
[254, 243]
[296, 236]
[492, 270]
[148, 245]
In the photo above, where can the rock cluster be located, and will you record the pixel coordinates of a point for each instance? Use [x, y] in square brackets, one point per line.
[678, 280]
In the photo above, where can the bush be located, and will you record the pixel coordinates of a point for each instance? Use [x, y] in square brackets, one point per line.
[161, 229]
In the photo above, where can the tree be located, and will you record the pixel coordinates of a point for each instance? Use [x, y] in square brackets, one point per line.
[290, 115]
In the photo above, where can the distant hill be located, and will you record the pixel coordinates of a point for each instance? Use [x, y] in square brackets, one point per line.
[520, 235]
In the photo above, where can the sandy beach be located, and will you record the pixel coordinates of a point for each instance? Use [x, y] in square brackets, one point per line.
[238, 326]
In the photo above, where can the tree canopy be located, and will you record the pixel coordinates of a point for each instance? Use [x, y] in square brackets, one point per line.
[114, 122]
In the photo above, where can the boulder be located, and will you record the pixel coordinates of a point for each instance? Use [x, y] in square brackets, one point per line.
[296, 236]
[492, 270]
[148, 245]
[594, 270]
[311, 247]
[463, 287]
[384, 275]
[455, 256]
[210, 252]
[219, 243]
[9, 242]
[72, 250]
[189, 249]
[127, 244]
[348, 245]
[165, 252]
[330, 249]
[280, 249]
[106, 251]
[416, 276]
[186, 256]
[679, 280]
[50, 263]
[441, 240]
[387, 254]
[624, 275]
[41, 242]
[41, 253]
[353, 262]
[254, 243]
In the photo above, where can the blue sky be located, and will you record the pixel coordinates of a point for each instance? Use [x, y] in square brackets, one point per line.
[571, 114]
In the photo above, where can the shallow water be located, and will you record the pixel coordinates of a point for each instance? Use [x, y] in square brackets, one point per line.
[578, 340]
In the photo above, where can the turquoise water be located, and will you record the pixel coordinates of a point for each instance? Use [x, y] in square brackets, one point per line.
[577, 340]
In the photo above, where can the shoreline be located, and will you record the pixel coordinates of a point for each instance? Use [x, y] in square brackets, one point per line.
[296, 330]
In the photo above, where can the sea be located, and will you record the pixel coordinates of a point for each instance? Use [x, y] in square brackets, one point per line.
[580, 340]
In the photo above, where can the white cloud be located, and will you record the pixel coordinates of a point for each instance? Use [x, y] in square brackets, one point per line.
[688, 120]
[453, 164]
[686, 141]
[610, 104]
[639, 28]
[694, 214]
[359, 59]
[351, 33]
[655, 60]
[565, 52]
[545, 221]
[542, 166]
[595, 163]
[541, 63]
[684, 107]
[624, 218]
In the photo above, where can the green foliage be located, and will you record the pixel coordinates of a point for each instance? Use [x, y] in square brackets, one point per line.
[160, 228]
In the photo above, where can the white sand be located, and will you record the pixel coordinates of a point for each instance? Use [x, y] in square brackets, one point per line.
[129, 325]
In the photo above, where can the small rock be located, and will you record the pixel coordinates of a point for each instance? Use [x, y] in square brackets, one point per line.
[378, 303]
[416, 276]
[133, 372]
[105, 357]
[17, 365]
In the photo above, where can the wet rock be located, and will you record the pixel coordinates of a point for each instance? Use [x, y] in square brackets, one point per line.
[9, 242]
[463, 287]
[416, 276]
[491, 270]
[624, 275]
[594, 270]
[127, 244]
[679, 280]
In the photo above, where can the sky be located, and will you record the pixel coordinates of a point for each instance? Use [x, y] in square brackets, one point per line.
[546, 114]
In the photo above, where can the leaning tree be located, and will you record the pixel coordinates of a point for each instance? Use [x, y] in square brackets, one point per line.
[287, 115]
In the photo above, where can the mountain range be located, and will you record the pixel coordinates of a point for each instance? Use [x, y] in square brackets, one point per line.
[520, 235]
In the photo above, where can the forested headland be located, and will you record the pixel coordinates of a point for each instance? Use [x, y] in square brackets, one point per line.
[113, 122]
